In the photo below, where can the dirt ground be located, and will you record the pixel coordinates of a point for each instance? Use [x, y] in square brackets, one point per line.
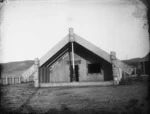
[24, 98]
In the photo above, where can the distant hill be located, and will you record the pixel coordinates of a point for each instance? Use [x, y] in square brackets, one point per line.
[15, 68]
[135, 61]
[132, 62]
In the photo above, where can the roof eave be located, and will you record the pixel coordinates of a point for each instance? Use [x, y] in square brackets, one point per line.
[54, 50]
[93, 48]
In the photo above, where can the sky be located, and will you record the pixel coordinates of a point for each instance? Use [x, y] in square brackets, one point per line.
[30, 28]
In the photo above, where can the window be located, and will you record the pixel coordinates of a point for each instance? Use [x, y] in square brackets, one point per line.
[94, 68]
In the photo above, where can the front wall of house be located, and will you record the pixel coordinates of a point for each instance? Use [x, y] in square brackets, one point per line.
[84, 76]
[61, 71]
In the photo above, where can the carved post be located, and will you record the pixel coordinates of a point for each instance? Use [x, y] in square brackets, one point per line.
[71, 38]
[36, 73]
[114, 68]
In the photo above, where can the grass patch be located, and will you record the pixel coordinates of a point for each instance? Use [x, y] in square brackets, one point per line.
[24, 98]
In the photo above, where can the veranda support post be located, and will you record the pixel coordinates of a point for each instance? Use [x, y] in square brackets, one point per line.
[71, 38]
[36, 73]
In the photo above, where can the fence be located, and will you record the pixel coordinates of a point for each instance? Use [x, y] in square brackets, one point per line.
[14, 80]
[10, 80]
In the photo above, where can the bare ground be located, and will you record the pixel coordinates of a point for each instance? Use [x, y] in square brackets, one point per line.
[24, 98]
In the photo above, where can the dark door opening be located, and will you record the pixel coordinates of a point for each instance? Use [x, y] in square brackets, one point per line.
[76, 75]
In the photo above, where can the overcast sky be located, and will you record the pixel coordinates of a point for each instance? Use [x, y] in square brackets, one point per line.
[30, 28]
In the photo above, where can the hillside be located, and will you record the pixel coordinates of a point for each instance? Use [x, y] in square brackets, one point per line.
[15, 68]
[132, 62]
[135, 61]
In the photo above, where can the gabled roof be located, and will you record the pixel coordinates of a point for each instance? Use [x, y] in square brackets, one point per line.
[78, 40]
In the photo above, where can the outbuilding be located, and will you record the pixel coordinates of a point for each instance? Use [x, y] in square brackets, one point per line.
[145, 64]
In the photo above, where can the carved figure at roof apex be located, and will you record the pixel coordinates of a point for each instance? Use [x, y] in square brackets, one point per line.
[71, 31]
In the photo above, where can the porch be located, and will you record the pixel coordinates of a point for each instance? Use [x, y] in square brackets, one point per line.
[77, 84]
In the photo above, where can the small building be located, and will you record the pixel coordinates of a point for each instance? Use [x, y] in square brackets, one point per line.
[145, 65]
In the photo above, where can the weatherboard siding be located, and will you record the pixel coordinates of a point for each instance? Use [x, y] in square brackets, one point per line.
[60, 72]
[84, 76]
[44, 75]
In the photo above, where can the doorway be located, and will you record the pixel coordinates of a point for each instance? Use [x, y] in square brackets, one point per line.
[76, 73]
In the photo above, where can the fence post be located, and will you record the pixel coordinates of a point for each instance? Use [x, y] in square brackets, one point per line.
[3, 81]
[6, 80]
[12, 79]
[19, 80]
